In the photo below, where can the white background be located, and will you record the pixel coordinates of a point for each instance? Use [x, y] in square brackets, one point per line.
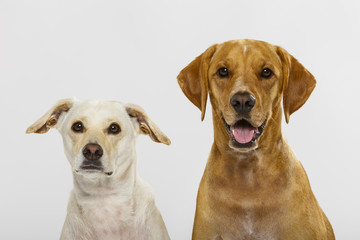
[132, 51]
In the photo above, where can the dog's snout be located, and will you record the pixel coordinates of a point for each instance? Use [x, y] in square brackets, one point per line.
[92, 152]
[243, 102]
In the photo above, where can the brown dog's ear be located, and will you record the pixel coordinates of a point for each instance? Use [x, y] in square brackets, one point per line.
[146, 125]
[298, 83]
[193, 79]
[50, 119]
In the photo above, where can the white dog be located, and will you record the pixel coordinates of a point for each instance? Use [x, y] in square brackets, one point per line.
[109, 200]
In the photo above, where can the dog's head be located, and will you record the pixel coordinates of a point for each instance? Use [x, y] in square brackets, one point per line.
[98, 136]
[246, 80]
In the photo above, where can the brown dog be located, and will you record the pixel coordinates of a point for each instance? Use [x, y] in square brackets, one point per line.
[253, 186]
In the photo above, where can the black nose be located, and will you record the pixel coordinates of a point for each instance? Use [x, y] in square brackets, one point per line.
[242, 102]
[92, 151]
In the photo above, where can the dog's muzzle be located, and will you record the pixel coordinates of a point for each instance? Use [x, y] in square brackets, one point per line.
[92, 153]
[243, 134]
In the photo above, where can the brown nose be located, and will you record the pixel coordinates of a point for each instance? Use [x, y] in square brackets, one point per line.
[242, 102]
[92, 152]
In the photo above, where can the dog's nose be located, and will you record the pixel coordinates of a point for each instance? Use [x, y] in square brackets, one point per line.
[242, 102]
[92, 152]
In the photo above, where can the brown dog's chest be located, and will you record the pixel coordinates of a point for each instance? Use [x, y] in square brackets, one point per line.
[242, 218]
[256, 203]
[246, 223]
[242, 200]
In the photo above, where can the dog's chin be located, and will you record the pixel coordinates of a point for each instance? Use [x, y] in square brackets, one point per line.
[244, 135]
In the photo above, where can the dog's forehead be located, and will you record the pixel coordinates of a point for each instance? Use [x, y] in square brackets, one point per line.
[244, 49]
[98, 110]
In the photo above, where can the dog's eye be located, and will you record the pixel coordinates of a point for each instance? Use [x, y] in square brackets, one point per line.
[266, 73]
[114, 128]
[223, 72]
[78, 127]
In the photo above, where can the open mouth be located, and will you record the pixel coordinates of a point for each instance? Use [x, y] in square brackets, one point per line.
[243, 134]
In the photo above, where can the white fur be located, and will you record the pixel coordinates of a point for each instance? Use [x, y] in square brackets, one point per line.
[244, 50]
[103, 207]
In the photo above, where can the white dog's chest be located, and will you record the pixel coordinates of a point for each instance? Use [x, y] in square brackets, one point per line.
[112, 220]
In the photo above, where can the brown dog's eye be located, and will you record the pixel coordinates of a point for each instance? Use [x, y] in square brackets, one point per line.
[266, 73]
[78, 127]
[223, 72]
[114, 128]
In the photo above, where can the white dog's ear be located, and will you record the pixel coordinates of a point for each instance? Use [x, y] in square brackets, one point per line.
[146, 125]
[50, 119]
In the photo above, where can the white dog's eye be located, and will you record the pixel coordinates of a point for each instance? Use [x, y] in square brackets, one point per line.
[114, 128]
[78, 127]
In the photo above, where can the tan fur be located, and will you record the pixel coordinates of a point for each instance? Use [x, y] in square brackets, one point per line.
[260, 192]
[112, 202]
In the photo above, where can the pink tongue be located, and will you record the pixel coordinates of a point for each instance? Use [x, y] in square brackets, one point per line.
[243, 134]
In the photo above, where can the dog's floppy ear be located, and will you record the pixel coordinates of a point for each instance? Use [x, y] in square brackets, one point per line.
[298, 83]
[146, 125]
[50, 119]
[193, 79]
